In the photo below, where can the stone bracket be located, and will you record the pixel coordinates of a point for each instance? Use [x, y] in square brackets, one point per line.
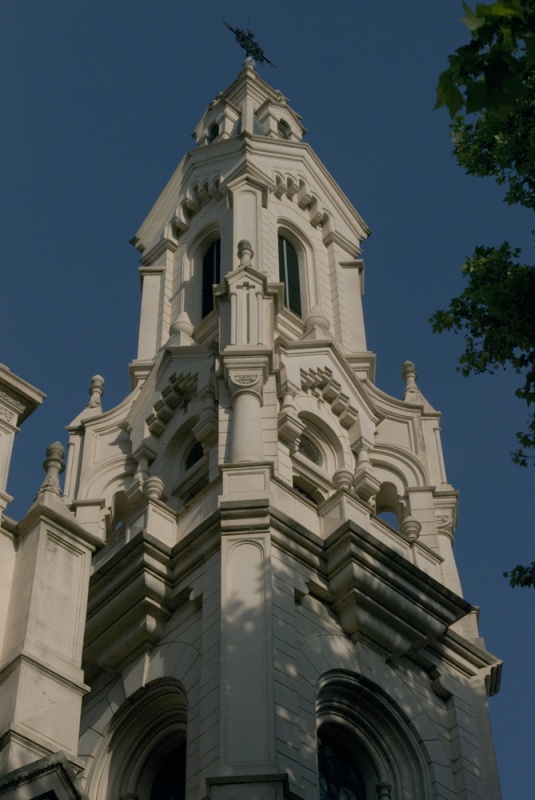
[382, 597]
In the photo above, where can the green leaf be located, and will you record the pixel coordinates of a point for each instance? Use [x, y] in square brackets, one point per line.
[529, 43]
[508, 42]
[471, 20]
[448, 93]
[500, 10]
[521, 576]
[476, 96]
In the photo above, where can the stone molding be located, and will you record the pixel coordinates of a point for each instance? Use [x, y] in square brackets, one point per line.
[382, 597]
[177, 394]
[197, 195]
[50, 778]
[379, 596]
[321, 383]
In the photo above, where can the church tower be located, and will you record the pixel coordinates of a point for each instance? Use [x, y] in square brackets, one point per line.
[247, 590]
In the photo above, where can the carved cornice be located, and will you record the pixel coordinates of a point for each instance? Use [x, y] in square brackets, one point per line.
[196, 196]
[17, 396]
[129, 602]
[160, 247]
[321, 384]
[177, 394]
[381, 597]
[308, 199]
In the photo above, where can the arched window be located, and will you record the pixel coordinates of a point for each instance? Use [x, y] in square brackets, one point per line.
[309, 450]
[144, 756]
[194, 455]
[213, 132]
[169, 782]
[187, 465]
[339, 776]
[284, 129]
[367, 748]
[289, 275]
[314, 461]
[211, 274]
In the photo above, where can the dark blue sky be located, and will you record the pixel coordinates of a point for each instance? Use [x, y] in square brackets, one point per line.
[98, 103]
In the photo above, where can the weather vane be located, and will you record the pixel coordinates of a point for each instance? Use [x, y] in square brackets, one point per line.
[245, 40]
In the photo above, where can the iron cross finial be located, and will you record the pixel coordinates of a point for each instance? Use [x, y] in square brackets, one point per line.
[245, 39]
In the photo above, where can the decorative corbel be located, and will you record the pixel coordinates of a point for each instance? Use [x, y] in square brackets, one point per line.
[289, 425]
[144, 456]
[206, 429]
[365, 483]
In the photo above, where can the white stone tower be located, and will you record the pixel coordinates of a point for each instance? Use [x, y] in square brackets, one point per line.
[254, 628]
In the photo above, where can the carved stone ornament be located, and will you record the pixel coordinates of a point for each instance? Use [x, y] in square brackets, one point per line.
[154, 487]
[244, 380]
[445, 523]
[245, 253]
[7, 415]
[96, 390]
[176, 395]
[410, 528]
[412, 393]
[245, 383]
[12, 401]
[321, 384]
[54, 466]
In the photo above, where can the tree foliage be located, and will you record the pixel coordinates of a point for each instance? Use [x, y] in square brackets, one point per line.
[496, 313]
[489, 89]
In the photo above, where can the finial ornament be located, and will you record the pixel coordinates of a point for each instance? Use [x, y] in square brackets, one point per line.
[96, 390]
[409, 375]
[54, 466]
[410, 528]
[246, 41]
[245, 253]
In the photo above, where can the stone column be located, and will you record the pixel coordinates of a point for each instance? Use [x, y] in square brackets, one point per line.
[246, 375]
[246, 437]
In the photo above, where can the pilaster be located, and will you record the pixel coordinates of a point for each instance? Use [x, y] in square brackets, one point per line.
[40, 675]
[247, 744]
